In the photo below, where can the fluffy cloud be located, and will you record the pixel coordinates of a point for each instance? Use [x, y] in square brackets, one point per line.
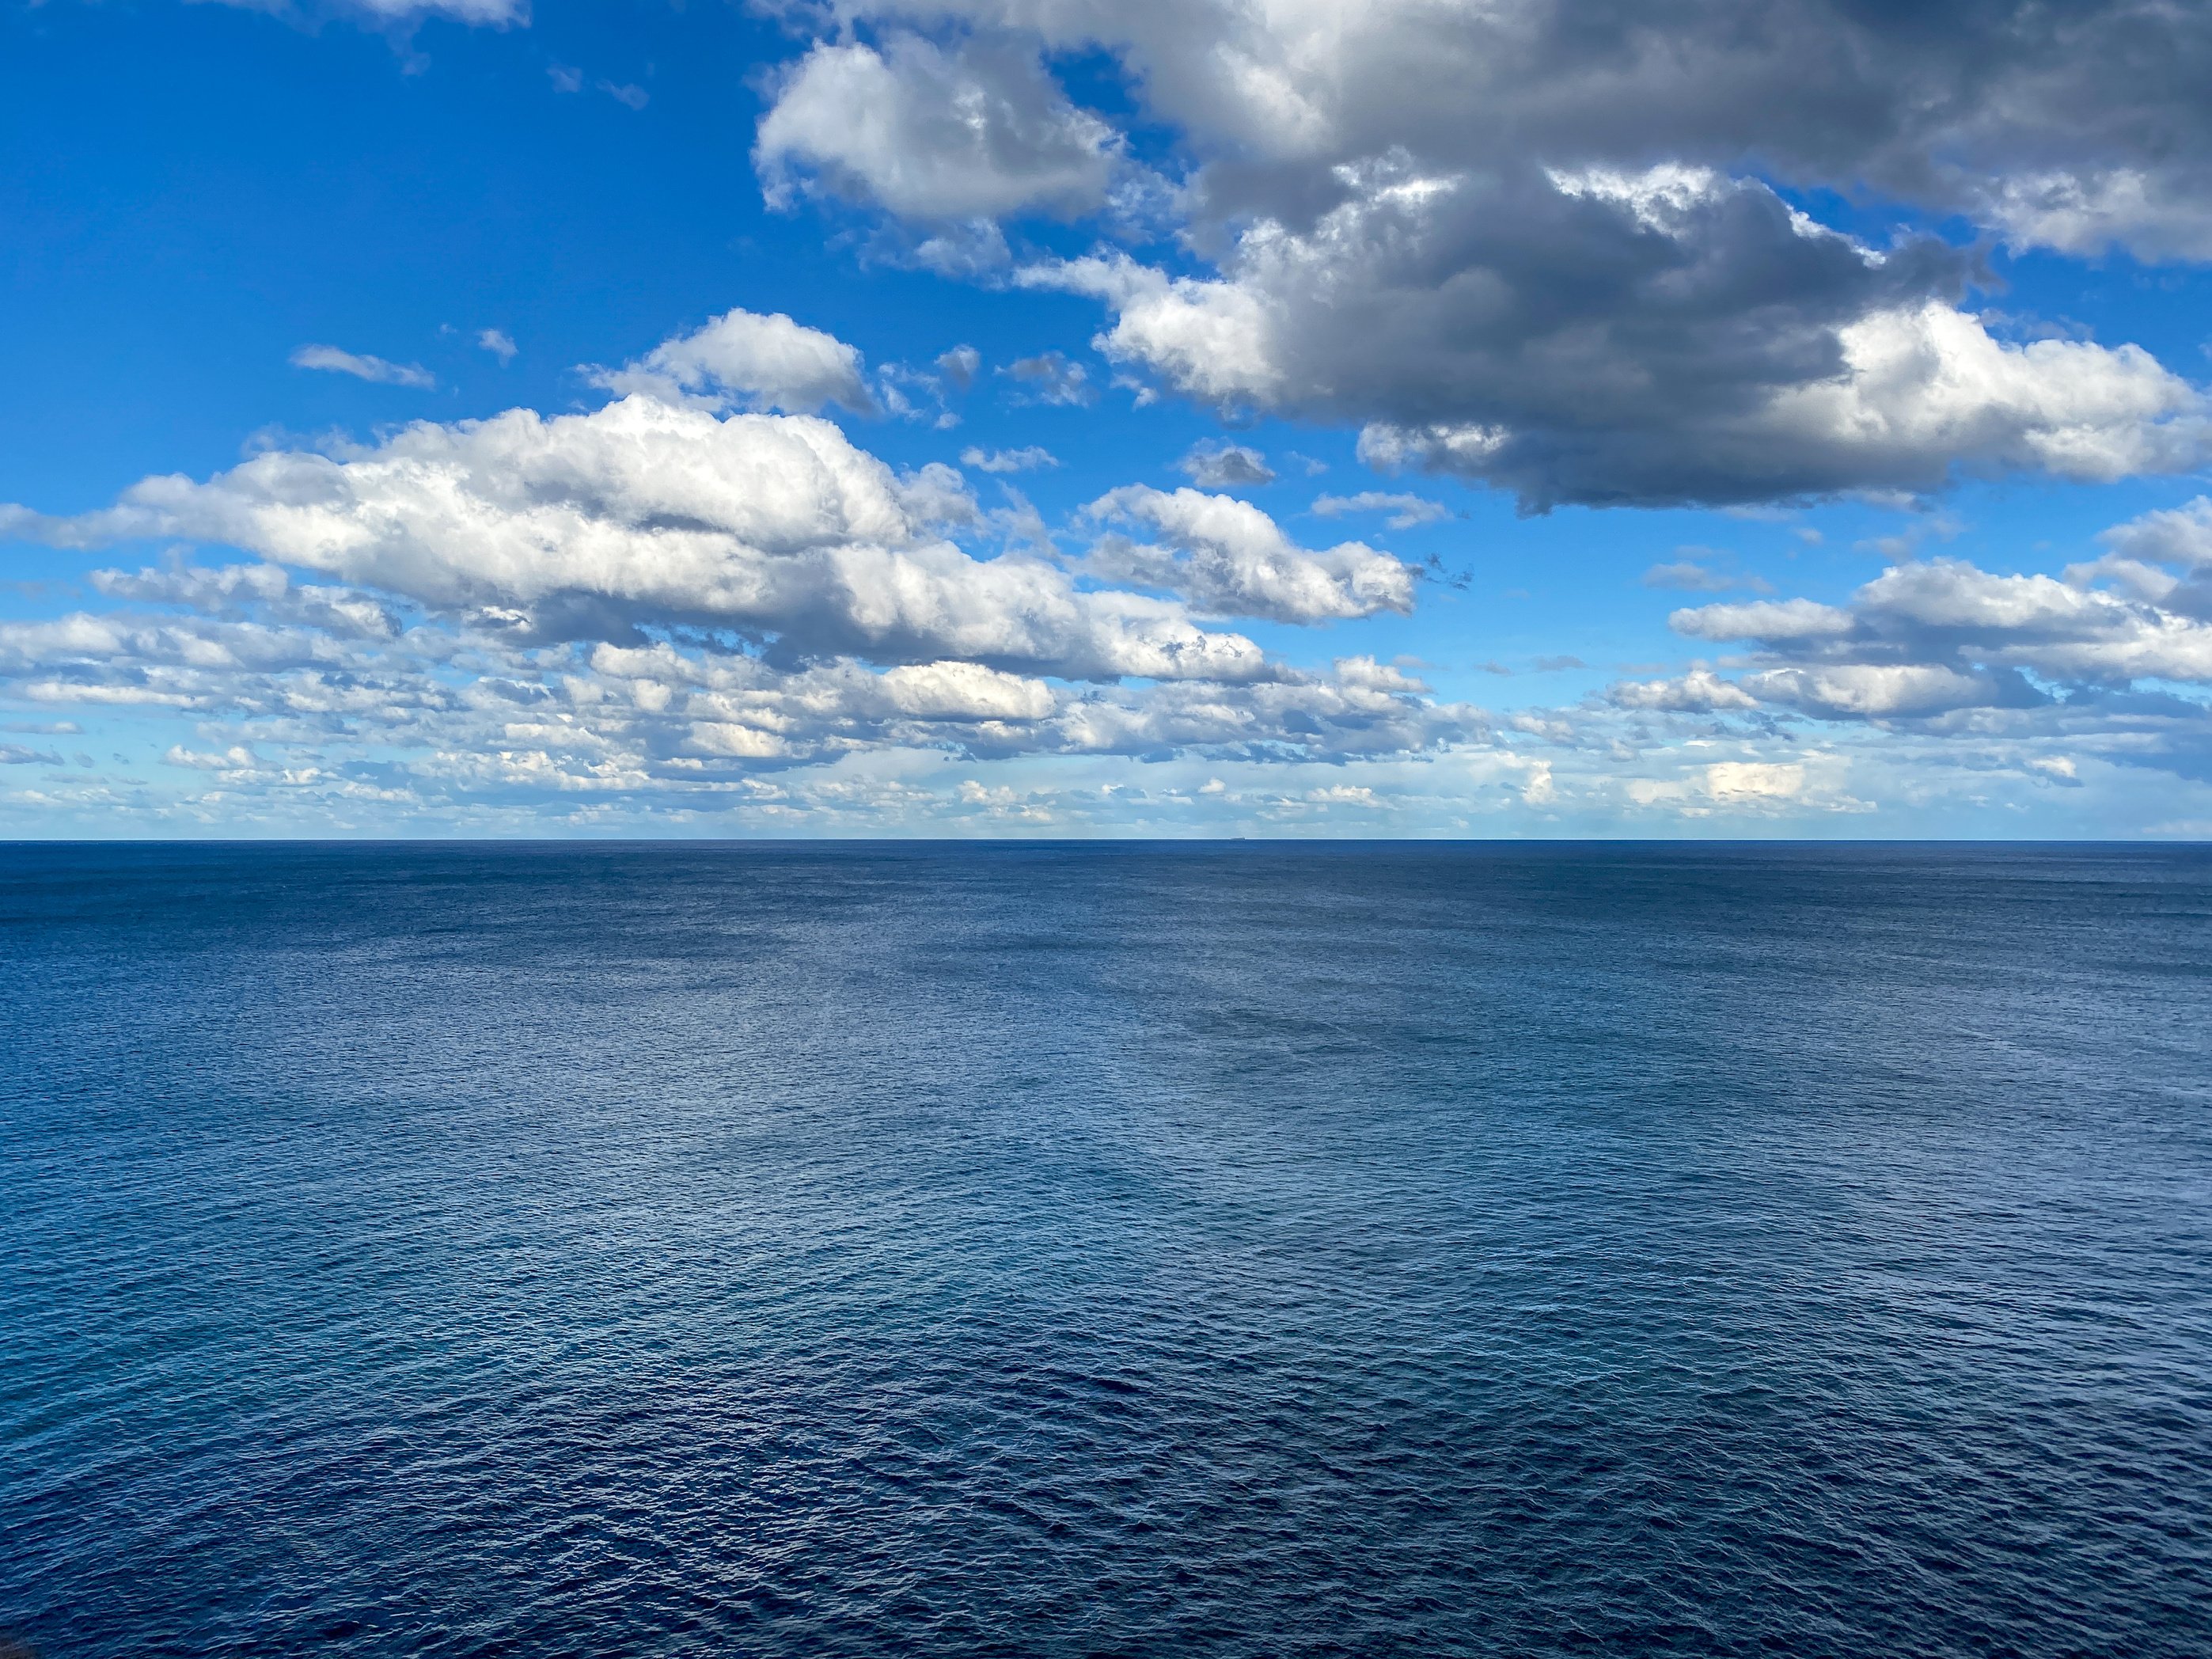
[1700, 691]
[260, 590]
[1747, 789]
[477, 717]
[1984, 684]
[1665, 337]
[2096, 658]
[742, 359]
[2075, 126]
[645, 512]
[1541, 245]
[2089, 214]
[976, 132]
[2180, 535]
[1946, 633]
[1776, 621]
[305, 703]
[1362, 707]
[1229, 558]
[661, 598]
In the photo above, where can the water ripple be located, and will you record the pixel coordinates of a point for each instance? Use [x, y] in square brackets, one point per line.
[1254, 1250]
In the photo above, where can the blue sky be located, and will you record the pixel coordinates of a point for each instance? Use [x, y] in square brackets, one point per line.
[466, 418]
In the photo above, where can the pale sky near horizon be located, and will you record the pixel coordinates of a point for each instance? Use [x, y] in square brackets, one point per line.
[1106, 417]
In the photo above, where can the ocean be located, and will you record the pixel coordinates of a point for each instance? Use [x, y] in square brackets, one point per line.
[1230, 1249]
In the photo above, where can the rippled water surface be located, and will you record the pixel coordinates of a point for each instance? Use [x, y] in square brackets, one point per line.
[1239, 1249]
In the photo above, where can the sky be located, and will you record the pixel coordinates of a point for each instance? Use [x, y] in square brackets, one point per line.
[1106, 417]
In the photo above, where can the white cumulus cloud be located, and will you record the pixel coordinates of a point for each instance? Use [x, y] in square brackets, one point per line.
[1229, 558]
[977, 131]
[649, 510]
[743, 359]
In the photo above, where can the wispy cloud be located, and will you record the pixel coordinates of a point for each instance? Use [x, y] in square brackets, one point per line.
[1405, 510]
[1049, 377]
[362, 367]
[1703, 571]
[1007, 460]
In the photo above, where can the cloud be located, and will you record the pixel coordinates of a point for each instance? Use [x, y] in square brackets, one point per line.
[627, 94]
[960, 365]
[746, 710]
[1698, 692]
[1786, 619]
[1947, 612]
[1226, 467]
[1754, 781]
[1229, 558]
[497, 13]
[1406, 511]
[448, 717]
[2091, 213]
[1362, 707]
[363, 368]
[1884, 690]
[979, 132]
[1939, 642]
[1692, 576]
[255, 590]
[1555, 248]
[1717, 349]
[455, 715]
[494, 12]
[1007, 460]
[1810, 785]
[499, 342]
[2076, 127]
[588, 525]
[1049, 377]
[743, 359]
[2181, 535]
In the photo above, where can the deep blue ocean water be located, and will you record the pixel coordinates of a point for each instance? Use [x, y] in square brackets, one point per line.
[1232, 1249]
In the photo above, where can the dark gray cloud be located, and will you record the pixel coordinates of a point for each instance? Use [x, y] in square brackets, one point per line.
[1217, 466]
[2003, 110]
[1651, 339]
[1541, 245]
